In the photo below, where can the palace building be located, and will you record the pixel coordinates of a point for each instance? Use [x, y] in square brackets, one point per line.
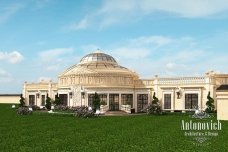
[122, 89]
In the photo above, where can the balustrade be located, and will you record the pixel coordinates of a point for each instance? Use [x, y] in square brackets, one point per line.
[187, 80]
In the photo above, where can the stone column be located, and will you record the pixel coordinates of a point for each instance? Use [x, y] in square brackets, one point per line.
[38, 98]
[173, 100]
[24, 93]
[119, 101]
[200, 99]
[182, 99]
[108, 100]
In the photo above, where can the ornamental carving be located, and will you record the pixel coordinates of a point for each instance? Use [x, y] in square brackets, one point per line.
[96, 80]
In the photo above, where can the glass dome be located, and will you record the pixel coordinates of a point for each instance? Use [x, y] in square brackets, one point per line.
[98, 63]
[97, 57]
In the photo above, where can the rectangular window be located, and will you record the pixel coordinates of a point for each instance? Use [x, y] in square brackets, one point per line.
[167, 101]
[142, 102]
[63, 99]
[113, 102]
[42, 100]
[90, 99]
[127, 99]
[191, 101]
[103, 99]
[31, 100]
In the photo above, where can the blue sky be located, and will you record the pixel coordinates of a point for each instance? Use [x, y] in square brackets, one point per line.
[40, 38]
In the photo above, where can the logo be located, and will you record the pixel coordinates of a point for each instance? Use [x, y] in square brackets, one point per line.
[201, 127]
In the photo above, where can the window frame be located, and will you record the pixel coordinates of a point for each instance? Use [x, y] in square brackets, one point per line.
[191, 100]
[167, 101]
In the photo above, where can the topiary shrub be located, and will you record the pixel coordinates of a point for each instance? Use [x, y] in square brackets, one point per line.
[48, 103]
[23, 111]
[96, 102]
[210, 104]
[155, 99]
[154, 109]
[22, 101]
[84, 112]
[57, 100]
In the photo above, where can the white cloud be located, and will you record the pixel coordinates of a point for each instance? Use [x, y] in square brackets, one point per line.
[41, 3]
[167, 56]
[7, 12]
[54, 54]
[187, 8]
[141, 47]
[5, 77]
[53, 68]
[3, 73]
[113, 12]
[131, 53]
[89, 48]
[11, 57]
[155, 39]
[183, 55]
[83, 24]
[57, 59]
[170, 66]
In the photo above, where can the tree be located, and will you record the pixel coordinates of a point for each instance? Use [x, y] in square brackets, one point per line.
[57, 99]
[96, 101]
[48, 102]
[155, 99]
[210, 104]
[154, 108]
[22, 101]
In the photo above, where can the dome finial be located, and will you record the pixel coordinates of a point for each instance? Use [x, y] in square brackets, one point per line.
[98, 51]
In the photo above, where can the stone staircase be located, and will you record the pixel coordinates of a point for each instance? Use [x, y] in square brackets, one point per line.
[116, 113]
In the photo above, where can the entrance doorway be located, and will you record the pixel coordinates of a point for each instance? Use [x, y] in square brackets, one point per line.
[114, 102]
[31, 100]
[142, 102]
[63, 99]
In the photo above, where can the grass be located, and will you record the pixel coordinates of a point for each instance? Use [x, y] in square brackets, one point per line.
[48, 132]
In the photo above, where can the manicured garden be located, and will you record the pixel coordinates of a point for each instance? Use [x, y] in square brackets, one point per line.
[42, 131]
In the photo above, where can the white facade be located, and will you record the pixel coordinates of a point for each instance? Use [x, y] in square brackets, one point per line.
[122, 89]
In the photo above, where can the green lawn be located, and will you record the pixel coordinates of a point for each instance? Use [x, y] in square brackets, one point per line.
[44, 132]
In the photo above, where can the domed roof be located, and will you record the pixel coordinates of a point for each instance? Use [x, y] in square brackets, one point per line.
[97, 56]
[98, 63]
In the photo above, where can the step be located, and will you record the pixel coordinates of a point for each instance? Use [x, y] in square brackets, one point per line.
[116, 113]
